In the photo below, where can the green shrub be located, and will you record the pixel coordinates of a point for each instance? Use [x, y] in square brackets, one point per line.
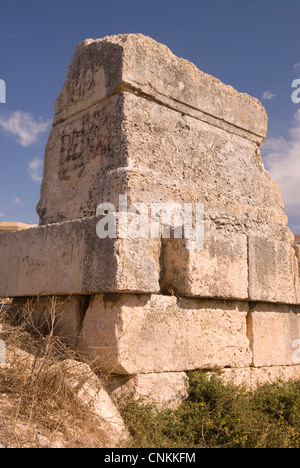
[219, 415]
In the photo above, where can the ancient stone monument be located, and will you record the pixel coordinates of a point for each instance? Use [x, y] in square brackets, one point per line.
[134, 120]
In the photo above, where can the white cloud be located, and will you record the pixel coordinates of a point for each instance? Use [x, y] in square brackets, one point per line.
[282, 159]
[17, 201]
[23, 126]
[35, 169]
[1, 215]
[297, 65]
[268, 95]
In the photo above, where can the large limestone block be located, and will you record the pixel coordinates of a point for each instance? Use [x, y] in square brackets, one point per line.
[124, 146]
[134, 334]
[219, 269]
[81, 159]
[165, 390]
[131, 112]
[69, 258]
[204, 164]
[139, 64]
[78, 378]
[274, 333]
[273, 271]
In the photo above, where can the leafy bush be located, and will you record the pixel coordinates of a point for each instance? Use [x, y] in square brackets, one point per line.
[219, 415]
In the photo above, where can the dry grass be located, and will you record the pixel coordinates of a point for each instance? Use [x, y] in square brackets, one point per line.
[36, 408]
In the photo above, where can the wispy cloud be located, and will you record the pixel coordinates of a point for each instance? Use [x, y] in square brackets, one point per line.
[17, 201]
[297, 65]
[35, 169]
[23, 126]
[1, 214]
[282, 159]
[267, 96]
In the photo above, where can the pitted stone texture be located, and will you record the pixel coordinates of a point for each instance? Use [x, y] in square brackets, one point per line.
[69, 258]
[81, 159]
[165, 390]
[219, 269]
[141, 65]
[273, 272]
[124, 146]
[89, 390]
[274, 333]
[131, 334]
[204, 164]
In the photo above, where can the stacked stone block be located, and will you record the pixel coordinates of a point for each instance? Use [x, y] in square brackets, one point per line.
[133, 119]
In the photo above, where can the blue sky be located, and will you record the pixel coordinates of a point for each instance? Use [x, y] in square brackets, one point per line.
[254, 45]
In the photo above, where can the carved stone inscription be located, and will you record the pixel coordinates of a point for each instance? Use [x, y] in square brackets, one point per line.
[87, 140]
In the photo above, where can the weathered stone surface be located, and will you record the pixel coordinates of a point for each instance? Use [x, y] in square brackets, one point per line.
[78, 378]
[131, 334]
[139, 64]
[120, 129]
[273, 272]
[69, 258]
[274, 332]
[124, 146]
[133, 119]
[219, 269]
[227, 175]
[253, 378]
[165, 390]
[81, 157]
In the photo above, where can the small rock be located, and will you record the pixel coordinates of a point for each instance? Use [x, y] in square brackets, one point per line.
[42, 440]
[56, 444]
